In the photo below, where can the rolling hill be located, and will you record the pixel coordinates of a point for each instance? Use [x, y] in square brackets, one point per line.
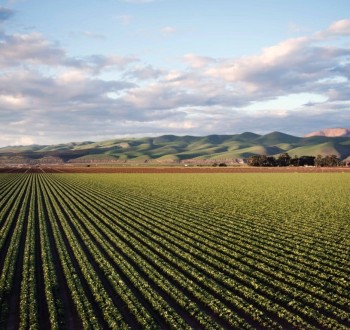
[173, 149]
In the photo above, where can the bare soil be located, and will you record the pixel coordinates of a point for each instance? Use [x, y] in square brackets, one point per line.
[173, 169]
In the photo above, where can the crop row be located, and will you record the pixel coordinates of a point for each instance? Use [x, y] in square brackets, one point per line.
[96, 252]
[260, 277]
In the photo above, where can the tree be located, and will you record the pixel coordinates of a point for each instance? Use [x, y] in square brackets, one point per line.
[318, 161]
[283, 159]
[331, 161]
[262, 160]
[307, 161]
[295, 161]
[254, 160]
[328, 161]
[271, 161]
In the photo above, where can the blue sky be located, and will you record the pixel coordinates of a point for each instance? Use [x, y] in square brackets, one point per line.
[92, 70]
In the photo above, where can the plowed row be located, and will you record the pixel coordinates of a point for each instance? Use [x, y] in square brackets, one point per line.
[87, 251]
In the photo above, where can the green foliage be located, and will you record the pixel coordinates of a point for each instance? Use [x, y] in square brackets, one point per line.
[327, 161]
[285, 160]
[245, 251]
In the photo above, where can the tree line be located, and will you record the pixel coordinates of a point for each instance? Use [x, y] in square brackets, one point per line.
[285, 159]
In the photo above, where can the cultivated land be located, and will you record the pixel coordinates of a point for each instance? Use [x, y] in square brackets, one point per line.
[191, 250]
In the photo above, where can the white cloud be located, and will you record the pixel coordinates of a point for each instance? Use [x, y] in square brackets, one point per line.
[24, 140]
[144, 73]
[338, 28]
[197, 61]
[12, 101]
[34, 50]
[29, 49]
[71, 99]
[292, 66]
[71, 76]
[97, 63]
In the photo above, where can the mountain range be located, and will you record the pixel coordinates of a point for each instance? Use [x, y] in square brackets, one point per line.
[173, 149]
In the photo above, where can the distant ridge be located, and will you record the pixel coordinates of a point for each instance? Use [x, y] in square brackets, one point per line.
[331, 132]
[178, 149]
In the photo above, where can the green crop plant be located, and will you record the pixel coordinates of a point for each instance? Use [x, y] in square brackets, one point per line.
[148, 251]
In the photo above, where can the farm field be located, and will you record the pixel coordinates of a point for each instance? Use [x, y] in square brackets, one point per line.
[161, 251]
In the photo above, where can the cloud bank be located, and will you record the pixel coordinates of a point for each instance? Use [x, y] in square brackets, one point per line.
[48, 96]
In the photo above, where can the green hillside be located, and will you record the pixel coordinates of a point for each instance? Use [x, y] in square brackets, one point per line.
[172, 148]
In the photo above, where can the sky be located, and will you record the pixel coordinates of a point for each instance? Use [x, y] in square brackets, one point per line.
[92, 70]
